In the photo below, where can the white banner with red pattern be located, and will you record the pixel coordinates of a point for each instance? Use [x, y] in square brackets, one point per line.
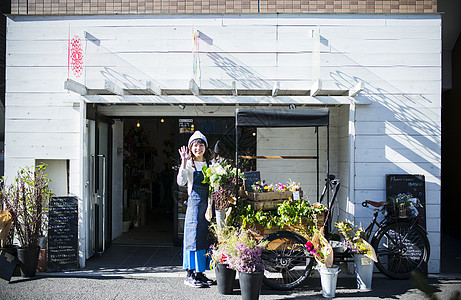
[75, 58]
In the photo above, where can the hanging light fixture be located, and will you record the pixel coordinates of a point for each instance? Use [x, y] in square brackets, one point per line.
[138, 124]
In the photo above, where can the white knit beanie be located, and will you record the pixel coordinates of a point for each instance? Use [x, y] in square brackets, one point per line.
[195, 136]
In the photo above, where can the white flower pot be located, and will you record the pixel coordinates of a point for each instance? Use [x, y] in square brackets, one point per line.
[126, 226]
[221, 219]
[328, 277]
[363, 271]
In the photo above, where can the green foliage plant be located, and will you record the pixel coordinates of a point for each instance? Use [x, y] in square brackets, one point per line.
[297, 215]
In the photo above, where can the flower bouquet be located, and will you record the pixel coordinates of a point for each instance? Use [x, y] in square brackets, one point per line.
[364, 254]
[354, 239]
[235, 250]
[222, 180]
[244, 254]
[321, 249]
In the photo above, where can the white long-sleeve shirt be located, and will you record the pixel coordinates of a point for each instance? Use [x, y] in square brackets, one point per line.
[186, 176]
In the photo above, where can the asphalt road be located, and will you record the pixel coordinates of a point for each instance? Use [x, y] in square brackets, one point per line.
[151, 286]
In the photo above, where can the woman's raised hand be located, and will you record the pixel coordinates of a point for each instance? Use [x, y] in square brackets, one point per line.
[184, 153]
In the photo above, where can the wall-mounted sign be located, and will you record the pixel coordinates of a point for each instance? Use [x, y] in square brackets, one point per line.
[186, 126]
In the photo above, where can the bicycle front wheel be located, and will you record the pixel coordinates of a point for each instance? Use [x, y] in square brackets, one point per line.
[400, 249]
[286, 259]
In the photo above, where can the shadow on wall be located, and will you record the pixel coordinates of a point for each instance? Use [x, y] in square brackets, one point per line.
[410, 123]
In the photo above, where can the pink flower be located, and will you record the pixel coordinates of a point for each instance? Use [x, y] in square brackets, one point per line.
[309, 246]
[223, 259]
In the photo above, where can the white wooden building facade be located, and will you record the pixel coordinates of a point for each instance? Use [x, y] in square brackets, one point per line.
[380, 75]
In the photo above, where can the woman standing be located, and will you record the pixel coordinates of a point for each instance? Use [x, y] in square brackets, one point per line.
[196, 241]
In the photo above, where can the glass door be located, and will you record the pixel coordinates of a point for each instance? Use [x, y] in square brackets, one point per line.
[99, 218]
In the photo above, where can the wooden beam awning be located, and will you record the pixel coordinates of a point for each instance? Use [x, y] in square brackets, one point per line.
[150, 93]
[278, 157]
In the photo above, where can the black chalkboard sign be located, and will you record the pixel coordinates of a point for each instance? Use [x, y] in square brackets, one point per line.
[7, 264]
[251, 178]
[63, 234]
[411, 185]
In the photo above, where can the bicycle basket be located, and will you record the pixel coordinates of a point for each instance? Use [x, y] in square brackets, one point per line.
[403, 206]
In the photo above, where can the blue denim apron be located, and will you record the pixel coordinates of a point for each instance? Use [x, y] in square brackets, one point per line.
[195, 225]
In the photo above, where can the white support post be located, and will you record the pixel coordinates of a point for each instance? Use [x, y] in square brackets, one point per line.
[112, 88]
[193, 87]
[356, 89]
[234, 89]
[83, 220]
[275, 89]
[316, 87]
[154, 89]
[75, 87]
[351, 205]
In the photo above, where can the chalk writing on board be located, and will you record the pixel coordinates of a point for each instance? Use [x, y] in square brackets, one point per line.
[251, 178]
[63, 234]
[409, 184]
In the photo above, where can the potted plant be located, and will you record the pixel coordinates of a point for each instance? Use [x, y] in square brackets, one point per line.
[364, 254]
[27, 200]
[225, 276]
[403, 205]
[322, 252]
[244, 254]
[127, 218]
[221, 178]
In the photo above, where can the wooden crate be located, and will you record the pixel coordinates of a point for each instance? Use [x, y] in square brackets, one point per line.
[271, 195]
[259, 231]
[265, 205]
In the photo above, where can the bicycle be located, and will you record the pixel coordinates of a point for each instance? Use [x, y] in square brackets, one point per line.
[401, 246]
[288, 264]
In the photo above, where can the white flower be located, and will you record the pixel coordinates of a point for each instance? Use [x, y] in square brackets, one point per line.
[218, 169]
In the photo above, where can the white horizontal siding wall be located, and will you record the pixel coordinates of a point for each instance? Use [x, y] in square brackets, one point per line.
[397, 57]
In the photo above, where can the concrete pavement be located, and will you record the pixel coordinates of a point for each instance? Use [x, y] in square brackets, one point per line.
[155, 272]
[145, 285]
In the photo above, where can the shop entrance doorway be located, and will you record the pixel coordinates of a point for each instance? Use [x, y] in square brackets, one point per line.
[153, 203]
[148, 177]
